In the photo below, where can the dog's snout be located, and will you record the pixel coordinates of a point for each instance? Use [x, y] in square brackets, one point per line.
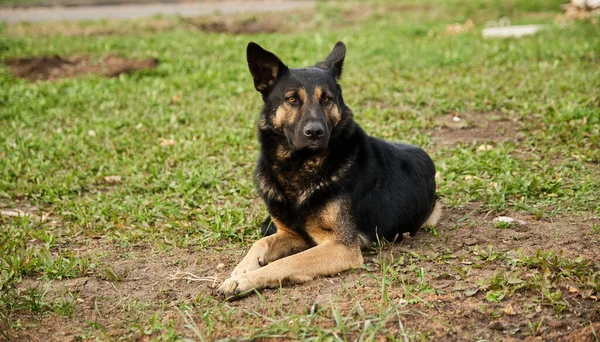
[314, 130]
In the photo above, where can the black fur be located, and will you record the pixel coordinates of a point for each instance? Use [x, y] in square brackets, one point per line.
[389, 187]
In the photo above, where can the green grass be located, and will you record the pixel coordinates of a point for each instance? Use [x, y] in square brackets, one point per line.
[58, 140]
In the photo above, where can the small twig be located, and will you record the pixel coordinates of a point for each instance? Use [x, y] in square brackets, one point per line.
[192, 277]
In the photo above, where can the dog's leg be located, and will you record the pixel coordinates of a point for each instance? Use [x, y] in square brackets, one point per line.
[268, 249]
[328, 258]
[435, 215]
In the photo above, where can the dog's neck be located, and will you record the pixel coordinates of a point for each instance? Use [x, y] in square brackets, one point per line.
[296, 175]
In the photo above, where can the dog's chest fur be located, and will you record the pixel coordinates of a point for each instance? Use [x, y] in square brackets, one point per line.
[292, 180]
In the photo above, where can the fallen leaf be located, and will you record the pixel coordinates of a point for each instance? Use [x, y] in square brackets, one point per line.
[509, 310]
[19, 213]
[167, 142]
[504, 219]
[112, 179]
[175, 99]
[470, 292]
[572, 289]
[13, 213]
[485, 147]
[460, 28]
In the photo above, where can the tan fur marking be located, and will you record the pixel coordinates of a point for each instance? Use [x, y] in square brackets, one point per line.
[281, 226]
[302, 95]
[290, 93]
[333, 254]
[281, 116]
[268, 249]
[287, 114]
[274, 71]
[435, 216]
[329, 258]
[267, 189]
[282, 152]
[334, 114]
[318, 94]
[332, 111]
[313, 164]
[330, 214]
[262, 123]
[324, 225]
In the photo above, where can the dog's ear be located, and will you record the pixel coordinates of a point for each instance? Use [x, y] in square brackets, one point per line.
[264, 66]
[335, 61]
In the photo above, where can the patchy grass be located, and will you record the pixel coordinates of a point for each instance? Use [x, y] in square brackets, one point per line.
[118, 187]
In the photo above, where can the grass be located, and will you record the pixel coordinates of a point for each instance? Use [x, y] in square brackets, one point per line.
[59, 140]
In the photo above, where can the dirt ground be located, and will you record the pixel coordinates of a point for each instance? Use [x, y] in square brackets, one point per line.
[57, 67]
[475, 127]
[458, 311]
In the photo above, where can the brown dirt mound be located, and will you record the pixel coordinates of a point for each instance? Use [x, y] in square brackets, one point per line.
[475, 127]
[56, 67]
[252, 26]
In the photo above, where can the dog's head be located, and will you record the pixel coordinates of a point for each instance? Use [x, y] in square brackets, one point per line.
[305, 105]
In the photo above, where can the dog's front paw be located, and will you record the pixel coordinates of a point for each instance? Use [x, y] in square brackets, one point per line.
[249, 264]
[235, 286]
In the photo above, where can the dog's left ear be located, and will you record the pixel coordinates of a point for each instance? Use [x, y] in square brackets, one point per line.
[264, 66]
[335, 61]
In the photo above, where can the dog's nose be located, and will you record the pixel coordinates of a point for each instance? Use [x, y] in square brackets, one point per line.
[314, 130]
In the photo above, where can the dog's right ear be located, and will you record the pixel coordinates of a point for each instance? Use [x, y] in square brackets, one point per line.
[264, 66]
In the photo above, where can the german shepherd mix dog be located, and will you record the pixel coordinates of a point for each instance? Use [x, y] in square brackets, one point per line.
[330, 189]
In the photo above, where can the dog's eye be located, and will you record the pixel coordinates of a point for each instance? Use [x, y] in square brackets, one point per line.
[326, 99]
[292, 100]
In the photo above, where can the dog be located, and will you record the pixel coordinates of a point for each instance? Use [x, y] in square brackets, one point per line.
[330, 189]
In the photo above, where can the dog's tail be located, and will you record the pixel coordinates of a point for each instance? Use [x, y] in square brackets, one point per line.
[436, 214]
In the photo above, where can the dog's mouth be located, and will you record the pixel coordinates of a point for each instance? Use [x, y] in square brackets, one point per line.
[315, 147]
[312, 147]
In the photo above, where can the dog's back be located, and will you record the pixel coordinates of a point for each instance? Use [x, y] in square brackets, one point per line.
[395, 189]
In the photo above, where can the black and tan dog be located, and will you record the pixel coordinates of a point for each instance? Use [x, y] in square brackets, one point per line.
[330, 189]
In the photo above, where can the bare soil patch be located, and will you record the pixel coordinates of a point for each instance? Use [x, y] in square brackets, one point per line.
[293, 22]
[252, 25]
[57, 67]
[140, 284]
[475, 127]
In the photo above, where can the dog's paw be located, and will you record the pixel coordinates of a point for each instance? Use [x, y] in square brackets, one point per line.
[249, 264]
[235, 286]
